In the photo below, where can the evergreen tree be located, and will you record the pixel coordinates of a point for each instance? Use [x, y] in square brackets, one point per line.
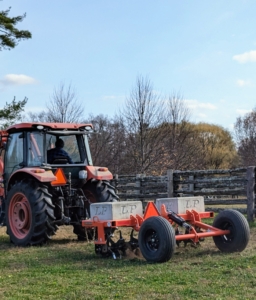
[9, 34]
[11, 112]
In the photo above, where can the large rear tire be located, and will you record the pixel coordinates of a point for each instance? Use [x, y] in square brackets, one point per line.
[29, 214]
[95, 191]
[157, 239]
[239, 228]
[100, 191]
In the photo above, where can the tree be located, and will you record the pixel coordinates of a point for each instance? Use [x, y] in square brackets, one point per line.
[216, 147]
[107, 142]
[9, 34]
[11, 112]
[38, 117]
[142, 116]
[180, 142]
[245, 134]
[63, 107]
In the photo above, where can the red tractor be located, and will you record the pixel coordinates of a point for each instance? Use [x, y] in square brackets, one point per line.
[38, 195]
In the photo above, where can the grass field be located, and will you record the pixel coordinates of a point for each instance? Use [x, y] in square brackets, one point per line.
[66, 269]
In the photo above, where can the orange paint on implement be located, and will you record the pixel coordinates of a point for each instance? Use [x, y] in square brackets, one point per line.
[135, 222]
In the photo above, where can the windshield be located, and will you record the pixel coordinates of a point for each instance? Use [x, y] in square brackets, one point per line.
[14, 153]
[41, 145]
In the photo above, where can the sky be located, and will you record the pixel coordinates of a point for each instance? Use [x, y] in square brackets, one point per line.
[204, 50]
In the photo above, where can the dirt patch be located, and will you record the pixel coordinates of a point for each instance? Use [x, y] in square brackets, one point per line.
[133, 253]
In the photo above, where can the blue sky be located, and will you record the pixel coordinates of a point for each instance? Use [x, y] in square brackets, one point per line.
[204, 50]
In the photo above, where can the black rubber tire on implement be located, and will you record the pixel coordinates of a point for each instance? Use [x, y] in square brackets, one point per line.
[95, 191]
[157, 239]
[29, 214]
[239, 228]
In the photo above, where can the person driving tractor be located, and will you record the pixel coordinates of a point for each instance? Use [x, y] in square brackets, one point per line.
[58, 152]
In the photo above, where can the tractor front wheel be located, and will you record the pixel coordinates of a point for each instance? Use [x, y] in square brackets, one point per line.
[238, 226]
[29, 214]
[157, 239]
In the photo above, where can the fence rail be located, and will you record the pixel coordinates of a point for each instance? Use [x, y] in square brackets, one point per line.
[219, 187]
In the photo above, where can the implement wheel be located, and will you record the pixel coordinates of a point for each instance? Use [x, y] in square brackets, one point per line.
[29, 214]
[157, 239]
[239, 235]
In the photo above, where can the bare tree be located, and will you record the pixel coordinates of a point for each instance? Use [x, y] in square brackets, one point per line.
[245, 134]
[107, 143]
[180, 141]
[63, 106]
[41, 116]
[142, 116]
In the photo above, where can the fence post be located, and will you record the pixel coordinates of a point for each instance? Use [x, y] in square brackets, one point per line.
[115, 181]
[138, 184]
[191, 185]
[250, 178]
[170, 183]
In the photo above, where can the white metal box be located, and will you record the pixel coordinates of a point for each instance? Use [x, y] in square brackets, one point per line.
[116, 210]
[180, 205]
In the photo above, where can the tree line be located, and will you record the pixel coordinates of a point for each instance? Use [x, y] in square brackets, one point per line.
[150, 133]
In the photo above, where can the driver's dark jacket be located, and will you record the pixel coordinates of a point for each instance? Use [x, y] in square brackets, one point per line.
[55, 153]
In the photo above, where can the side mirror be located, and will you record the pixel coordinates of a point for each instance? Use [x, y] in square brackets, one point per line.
[2, 144]
[3, 140]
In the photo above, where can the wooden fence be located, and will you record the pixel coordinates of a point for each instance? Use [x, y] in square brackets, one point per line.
[220, 188]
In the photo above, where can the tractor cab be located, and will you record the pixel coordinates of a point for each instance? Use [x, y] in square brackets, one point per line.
[28, 146]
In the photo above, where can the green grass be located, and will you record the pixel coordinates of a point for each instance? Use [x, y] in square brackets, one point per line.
[66, 269]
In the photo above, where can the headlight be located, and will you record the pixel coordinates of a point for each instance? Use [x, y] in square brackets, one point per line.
[82, 174]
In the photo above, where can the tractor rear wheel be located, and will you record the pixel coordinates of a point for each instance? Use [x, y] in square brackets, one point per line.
[239, 235]
[29, 214]
[157, 239]
[100, 191]
[95, 191]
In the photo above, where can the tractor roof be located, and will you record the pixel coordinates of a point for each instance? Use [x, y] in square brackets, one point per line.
[51, 126]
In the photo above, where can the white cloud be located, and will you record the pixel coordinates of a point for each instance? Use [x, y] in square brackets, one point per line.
[195, 104]
[246, 57]
[243, 111]
[203, 116]
[243, 83]
[17, 79]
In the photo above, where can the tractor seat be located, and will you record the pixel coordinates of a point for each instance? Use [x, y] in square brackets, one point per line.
[60, 160]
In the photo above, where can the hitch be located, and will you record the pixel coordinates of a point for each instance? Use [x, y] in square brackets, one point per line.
[178, 220]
